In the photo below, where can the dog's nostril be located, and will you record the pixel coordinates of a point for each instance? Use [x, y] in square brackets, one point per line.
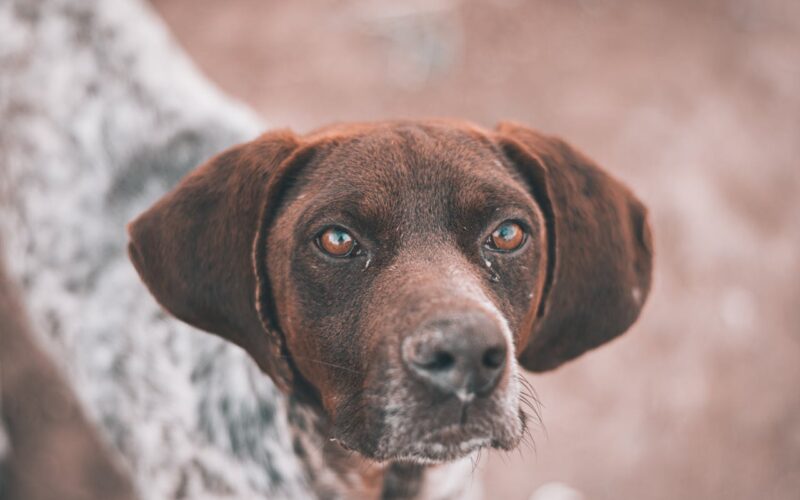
[462, 355]
[494, 358]
[441, 360]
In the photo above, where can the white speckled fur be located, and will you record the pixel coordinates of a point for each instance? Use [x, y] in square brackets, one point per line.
[100, 114]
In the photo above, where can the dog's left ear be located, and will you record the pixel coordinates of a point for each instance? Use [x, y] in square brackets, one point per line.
[200, 248]
[599, 248]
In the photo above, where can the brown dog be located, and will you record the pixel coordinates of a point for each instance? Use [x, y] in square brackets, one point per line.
[393, 275]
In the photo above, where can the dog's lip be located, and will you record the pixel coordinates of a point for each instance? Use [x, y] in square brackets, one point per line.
[445, 444]
[453, 434]
[439, 445]
[451, 441]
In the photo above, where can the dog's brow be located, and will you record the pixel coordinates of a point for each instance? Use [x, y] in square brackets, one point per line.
[494, 195]
[344, 210]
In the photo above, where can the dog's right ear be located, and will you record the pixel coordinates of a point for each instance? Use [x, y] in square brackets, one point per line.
[599, 248]
[194, 248]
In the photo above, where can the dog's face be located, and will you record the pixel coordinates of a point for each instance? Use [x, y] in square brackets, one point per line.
[397, 272]
[402, 263]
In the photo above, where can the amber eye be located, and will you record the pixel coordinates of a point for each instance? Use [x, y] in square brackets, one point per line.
[336, 242]
[507, 237]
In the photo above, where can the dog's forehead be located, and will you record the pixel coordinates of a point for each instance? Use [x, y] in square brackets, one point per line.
[410, 168]
[415, 148]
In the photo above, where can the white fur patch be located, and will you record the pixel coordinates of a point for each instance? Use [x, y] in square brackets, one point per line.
[636, 294]
[556, 491]
[4, 445]
[456, 479]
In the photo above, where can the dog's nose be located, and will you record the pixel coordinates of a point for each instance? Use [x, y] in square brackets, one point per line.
[462, 355]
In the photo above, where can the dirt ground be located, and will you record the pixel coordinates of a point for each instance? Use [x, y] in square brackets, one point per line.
[695, 104]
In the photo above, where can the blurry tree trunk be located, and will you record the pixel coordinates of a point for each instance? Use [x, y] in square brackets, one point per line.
[53, 452]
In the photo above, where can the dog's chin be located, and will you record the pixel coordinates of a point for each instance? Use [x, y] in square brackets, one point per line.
[420, 429]
[444, 444]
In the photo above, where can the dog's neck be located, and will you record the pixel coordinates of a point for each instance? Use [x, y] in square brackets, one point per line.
[335, 472]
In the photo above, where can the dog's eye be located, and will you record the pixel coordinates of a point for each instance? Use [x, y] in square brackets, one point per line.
[337, 242]
[507, 237]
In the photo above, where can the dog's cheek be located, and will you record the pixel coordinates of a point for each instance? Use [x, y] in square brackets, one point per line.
[518, 288]
[324, 337]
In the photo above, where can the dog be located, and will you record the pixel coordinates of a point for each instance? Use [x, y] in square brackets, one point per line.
[393, 277]
[191, 415]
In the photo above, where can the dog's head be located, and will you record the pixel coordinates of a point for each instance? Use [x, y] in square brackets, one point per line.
[397, 274]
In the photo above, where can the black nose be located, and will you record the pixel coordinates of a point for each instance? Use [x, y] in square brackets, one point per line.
[462, 355]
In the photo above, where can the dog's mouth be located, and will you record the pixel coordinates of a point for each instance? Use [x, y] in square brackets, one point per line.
[452, 442]
[448, 443]
[426, 439]
[404, 420]
[441, 445]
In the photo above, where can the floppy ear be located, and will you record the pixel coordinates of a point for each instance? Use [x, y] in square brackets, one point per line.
[194, 248]
[599, 249]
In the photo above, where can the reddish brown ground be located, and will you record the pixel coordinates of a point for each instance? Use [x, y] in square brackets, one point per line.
[695, 104]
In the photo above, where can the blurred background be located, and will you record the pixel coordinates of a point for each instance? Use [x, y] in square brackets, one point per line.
[695, 104]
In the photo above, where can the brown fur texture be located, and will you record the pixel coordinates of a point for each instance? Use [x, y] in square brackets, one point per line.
[600, 248]
[231, 250]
